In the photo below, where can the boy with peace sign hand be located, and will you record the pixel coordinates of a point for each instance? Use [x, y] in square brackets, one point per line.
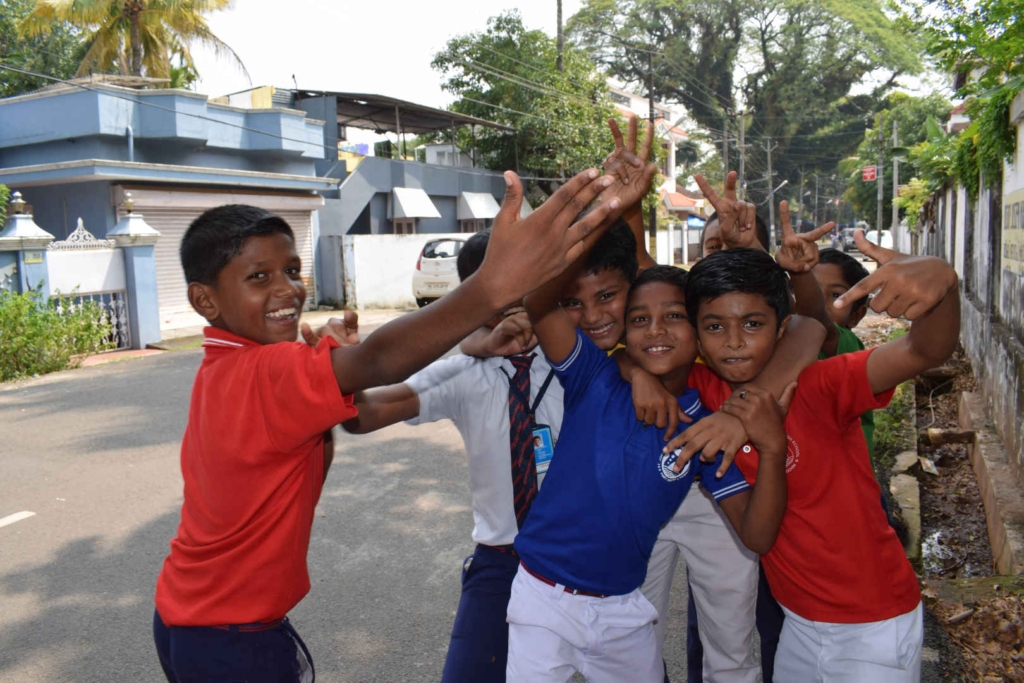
[845, 619]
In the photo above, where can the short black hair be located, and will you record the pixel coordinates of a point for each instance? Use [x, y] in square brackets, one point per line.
[614, 250]
[472, 254]
[853, 270]
[668, 274]
[751, 271]
[760, 229]
[219, 235]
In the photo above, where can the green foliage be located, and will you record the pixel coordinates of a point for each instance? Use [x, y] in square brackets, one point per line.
[794, 63]
[981, 41]
[57, 53]
[912, 198]
[981, 36]
[912, 114]
[5, 197]
[894, 427]
[133, 38]
[36, 339]
[507, 74]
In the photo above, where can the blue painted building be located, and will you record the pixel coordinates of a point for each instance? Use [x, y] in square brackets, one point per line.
[74, 150]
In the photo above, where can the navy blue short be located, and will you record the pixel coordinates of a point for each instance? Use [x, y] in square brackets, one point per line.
[478, 650]
[254, 653]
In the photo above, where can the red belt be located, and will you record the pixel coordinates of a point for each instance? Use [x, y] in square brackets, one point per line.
[254, 627]
[574, 591]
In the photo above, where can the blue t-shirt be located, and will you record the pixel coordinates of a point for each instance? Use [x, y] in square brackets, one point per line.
[609, 489]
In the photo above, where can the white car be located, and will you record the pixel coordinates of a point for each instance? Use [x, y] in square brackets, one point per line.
[887, 240]
[435, 273]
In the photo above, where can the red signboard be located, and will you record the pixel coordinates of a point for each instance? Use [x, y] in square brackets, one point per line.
[867, 173]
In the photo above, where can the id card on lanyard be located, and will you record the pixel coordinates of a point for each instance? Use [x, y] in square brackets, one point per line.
[543, 439]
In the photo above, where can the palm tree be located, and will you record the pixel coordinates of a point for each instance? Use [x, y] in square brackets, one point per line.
[134, 36]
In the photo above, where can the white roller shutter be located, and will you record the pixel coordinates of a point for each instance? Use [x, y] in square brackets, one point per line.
[172, 219]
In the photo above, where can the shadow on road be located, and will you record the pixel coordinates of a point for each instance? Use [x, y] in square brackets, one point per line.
[95, 611]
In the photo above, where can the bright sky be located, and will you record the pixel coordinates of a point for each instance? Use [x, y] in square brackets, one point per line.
[371, 46]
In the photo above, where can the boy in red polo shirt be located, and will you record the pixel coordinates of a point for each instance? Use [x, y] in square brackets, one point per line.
[253, 456]
[846, 620]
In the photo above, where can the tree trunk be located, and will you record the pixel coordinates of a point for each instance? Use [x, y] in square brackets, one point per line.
[561, 38]
[133, 10]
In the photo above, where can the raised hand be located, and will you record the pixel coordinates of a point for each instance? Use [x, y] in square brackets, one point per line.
[798, 253]
[908, 286]
[624, 162]
[344, 330]
[524, 253]
[630, 169]
[511, 336]
[736, 218]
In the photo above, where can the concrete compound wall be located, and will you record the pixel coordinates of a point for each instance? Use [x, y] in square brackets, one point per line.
[378, 268]
[984, 239]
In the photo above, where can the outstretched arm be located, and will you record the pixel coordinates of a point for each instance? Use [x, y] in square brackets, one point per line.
[923, 289]
[383, 407]
[520, 254]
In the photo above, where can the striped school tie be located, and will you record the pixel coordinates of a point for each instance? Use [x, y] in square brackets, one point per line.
[524, 469]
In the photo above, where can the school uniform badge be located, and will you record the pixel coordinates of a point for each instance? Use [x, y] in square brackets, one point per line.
[666, 463]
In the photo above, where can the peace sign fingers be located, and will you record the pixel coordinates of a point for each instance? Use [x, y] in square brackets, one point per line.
[784, 221]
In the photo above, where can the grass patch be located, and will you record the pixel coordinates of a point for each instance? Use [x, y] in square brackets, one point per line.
[894, 428]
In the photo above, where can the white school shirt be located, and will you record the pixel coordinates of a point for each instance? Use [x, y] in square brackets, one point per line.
[473, 394]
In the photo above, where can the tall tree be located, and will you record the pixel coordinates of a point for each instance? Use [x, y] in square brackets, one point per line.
[508, 74]
[915, 117]
[56, 54]
[791, 64]
[561, 38]
[134, 37]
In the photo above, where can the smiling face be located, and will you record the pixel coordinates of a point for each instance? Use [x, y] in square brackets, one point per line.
[659, 338]
[833, 285]
[259, 294]
[737, 333]
[596, 302]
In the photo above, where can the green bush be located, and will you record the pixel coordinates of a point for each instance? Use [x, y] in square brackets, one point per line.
[36, 339]
[894, 427]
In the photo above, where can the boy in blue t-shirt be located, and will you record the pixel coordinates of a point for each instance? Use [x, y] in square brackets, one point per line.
[576, 604]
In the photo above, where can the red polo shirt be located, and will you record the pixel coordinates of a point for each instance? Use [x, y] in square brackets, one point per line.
[252, 461]
[836, 558]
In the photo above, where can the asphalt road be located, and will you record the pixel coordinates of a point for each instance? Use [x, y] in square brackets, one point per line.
[94, 454]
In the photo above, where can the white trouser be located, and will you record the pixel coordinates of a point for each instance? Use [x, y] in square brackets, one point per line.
[552, 634]
[723, 579]
[880, 651]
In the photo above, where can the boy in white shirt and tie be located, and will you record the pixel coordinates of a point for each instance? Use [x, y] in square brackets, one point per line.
[503, 406]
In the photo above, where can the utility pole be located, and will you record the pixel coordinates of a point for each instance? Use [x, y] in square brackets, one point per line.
[561, 38]
[800, 205]
[742, 180]
[769, 147]
[815, 221]
[895, 179]
[725, 145]
[652, 217]
[878, 179]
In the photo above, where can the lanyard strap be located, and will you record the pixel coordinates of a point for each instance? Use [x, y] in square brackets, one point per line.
[526, 399]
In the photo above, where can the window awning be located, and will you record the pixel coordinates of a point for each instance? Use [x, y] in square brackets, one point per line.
[412, 202]
[477, 205]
